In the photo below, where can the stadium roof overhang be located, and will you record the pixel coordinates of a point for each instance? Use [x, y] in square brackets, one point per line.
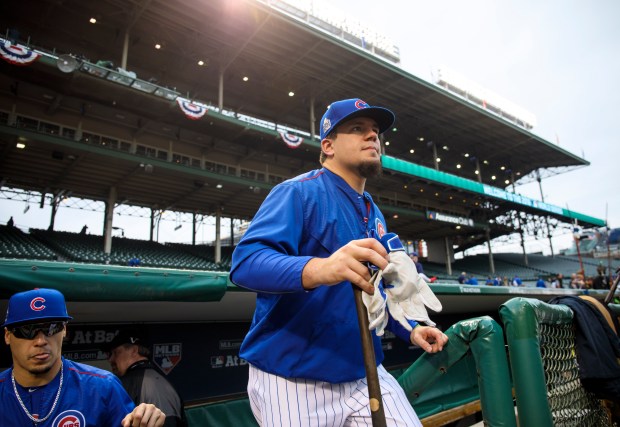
[278, 54]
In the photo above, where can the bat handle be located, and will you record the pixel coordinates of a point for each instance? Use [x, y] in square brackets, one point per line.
[370, 364]
[612, 290]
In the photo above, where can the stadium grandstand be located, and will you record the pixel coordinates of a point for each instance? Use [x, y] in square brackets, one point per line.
[200, 108]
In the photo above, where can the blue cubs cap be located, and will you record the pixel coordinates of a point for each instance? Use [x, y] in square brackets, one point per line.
[38, 305]
[349, 108]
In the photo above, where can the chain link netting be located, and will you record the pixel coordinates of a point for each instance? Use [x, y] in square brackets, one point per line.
[570, 404]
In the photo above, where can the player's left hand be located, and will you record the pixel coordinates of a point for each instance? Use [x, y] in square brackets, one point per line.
[144, 415]
[430, 339]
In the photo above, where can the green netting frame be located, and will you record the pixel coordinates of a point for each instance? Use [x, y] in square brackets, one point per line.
[541, 344]
[484, 337]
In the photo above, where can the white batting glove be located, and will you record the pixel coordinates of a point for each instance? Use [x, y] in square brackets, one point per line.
[407, 294]
[375, 305]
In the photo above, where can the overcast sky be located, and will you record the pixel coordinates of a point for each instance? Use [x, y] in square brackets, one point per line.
[560, 60]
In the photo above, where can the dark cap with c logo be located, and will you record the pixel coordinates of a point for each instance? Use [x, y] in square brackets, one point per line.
[36, 306]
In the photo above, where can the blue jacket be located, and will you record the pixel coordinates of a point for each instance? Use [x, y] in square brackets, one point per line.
[294, 332]
[89, 396]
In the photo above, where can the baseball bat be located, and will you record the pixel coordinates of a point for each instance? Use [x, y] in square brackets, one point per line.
[612, 290]
[374, 389]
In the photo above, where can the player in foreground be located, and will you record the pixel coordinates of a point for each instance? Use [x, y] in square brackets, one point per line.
[44, 389]
[312, 238]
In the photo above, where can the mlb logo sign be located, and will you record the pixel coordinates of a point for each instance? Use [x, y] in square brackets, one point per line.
[217, 361]
[167, 356]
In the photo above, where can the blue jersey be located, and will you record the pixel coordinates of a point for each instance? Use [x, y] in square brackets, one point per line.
[89, 397]
[294, 332]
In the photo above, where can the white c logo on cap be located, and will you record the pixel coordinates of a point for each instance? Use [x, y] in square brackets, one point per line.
[37, 304]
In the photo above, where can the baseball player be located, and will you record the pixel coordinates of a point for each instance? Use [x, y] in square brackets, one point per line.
[310, 240]
[44, 389]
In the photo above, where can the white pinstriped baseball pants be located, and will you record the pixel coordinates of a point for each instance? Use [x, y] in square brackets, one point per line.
[294, 402]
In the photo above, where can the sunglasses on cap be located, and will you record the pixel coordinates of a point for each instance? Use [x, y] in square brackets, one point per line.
[29, 332]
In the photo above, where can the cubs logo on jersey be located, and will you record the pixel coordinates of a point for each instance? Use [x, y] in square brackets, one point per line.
[379, 228]
[69, 418]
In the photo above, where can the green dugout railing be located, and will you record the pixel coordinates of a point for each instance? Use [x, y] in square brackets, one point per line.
[482, 339]
[541, 343]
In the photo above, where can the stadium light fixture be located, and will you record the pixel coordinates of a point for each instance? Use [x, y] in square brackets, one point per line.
[387, 143]
[246, 78]
[93, 20]
[201, 62]
[291, 93]
[20, 145]
[157, 46]
[412, 151]
[466, 154]
[458, 166]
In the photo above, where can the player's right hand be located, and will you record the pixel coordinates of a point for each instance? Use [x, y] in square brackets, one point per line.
[346, 264]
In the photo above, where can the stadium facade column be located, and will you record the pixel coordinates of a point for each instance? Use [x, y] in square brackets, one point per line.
[491, 262]
[194, 229]
[542, 198]
[107, 221]
[312, 118]
[125, 50]
[448, 256]
[218, 237]
[220, 91]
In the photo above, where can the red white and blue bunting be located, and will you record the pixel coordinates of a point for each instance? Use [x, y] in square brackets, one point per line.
[293, 141]
[17, 54]
[190, 109]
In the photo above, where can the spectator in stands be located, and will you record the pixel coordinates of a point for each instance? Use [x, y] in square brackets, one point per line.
[418, 266]
[34, 329]
[600, 269]
[489, 281]
[83, 231]
[463, 278]
[134, 262]
[472, 280]
[600, 282]
[560, 279]
[497, 281]
[553, 280]
[516, 281]
[576, 281]
[10, 222]
[128, 354]
[540, 283]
